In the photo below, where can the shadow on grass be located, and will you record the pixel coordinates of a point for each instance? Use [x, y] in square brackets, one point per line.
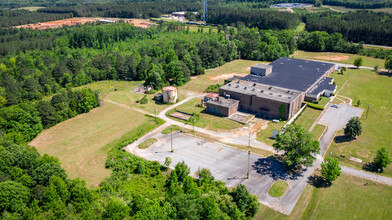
[371, 167]
[341, 139]
[274, 168]
[389, 74]
[319, 181]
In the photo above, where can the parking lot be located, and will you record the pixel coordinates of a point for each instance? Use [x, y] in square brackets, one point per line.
[229, 165]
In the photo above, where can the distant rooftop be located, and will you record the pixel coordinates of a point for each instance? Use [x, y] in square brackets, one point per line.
[262, 90]
[295, 74]
[324, 84]
[222, 101]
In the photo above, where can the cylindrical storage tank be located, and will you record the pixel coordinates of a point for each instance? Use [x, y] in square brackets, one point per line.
[169, 94]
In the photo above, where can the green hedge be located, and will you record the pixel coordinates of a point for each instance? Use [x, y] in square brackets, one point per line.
[315, 106]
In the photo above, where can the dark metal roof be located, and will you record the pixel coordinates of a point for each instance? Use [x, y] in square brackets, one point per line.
[292, 73]
[324, 84]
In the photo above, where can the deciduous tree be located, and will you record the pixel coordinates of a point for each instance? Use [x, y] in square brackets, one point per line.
[330, 169]
[298, 146]
[353, 128]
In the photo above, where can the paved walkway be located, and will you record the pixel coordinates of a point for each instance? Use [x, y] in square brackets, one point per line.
[367, 175]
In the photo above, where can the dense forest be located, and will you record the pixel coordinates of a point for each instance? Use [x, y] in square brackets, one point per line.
[361, 26]
[35, 186]
[9, 18]
[362, 4]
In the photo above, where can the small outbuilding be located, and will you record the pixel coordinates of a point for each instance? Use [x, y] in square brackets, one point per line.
[222, 106]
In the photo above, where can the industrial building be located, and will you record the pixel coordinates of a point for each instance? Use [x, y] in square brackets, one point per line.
[277, 90]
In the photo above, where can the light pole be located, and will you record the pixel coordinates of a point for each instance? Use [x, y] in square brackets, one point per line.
[171, 138]
[247, 175]
[378, 171]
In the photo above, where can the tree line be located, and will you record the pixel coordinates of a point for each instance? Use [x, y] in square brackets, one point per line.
[9, 18]
[360, 26]
[167, 55]
[23, 122]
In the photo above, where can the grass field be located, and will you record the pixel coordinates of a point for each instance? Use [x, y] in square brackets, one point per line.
[207, 121]
[317, 131]
[367, 61]
[218, 75]
[266, 134]
[80, 142]
[344, 9]
[308, 117]
[147, 143]
[30, 8]
[373, 90]
[278, 188]
[347, 198]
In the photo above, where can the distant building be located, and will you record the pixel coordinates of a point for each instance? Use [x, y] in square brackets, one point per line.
[178, 14]
[278, 89]
[107, 21]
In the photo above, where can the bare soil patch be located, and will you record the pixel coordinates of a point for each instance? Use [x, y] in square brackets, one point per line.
[143, 23]
[225, 76]
[333, 57]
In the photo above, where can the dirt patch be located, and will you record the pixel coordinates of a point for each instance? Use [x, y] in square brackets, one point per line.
[58, 23]
[225, 76]
[333, 57]
[181, 115]
[143, 23]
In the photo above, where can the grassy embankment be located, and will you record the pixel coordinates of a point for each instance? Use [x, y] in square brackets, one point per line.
[374, 91]
[348, 198]
[80, 142]
[345, 58]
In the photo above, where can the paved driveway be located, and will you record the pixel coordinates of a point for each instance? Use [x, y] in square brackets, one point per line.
[336, 119]
[228, 165]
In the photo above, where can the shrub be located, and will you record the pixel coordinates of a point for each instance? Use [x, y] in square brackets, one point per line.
[143, 100]
[315, 106]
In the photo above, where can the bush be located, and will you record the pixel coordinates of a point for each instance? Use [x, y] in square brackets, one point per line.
[143, 100]
[315, 106]
[213, 88]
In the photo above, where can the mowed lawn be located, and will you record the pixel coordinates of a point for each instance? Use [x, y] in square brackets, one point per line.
[218, 75]
[80, 142]
[347, 198]
[375, 91]
[207, 121]
[329, 57]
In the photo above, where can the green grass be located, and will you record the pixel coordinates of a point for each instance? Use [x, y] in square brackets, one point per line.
[300, 28]
[169, 129]
[308, 117]
[218, 75]
[147, 143]
[30, 8]
[347, 198]
[266, 134]
[207, 121]
[375, 90]
[317, 131]
[278, 188]
[325, 56]
[81, 143]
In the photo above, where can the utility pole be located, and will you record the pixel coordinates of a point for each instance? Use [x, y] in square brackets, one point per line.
[247, 175]
[155, 110]
[171, 138]
[367, 111]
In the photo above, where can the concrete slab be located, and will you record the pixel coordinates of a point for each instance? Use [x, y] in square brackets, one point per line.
[229, 165]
